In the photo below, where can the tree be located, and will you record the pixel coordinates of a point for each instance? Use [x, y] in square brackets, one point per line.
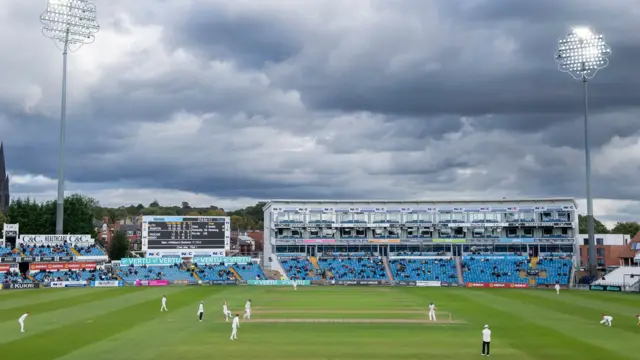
[78, 214]
[630, 228]
[154, 204]
[3, 219]
[119, 247]
[185, 205]
[40, 218]
[600, 228]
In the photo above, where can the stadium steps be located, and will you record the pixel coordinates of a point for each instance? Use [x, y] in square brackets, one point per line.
[542, 274]
[534, 262]
[532, 281]
[272, 274]
[523, 274]
[387, 268]
[459, 270]
[328, 273]
[196, 276]
[235, 273]
[75, 252]
[314, 261]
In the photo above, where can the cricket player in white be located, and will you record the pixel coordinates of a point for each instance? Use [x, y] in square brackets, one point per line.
[200, 310]
[225, 311]
[247, 310]
[558, 289]
[432, 312]
[235, 325]
[164, 303]
[22, 319]
[295, 284]
[486, 341]
[638, 317]
[606, 320]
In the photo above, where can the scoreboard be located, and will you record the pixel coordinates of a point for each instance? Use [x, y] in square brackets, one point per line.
[185, 233]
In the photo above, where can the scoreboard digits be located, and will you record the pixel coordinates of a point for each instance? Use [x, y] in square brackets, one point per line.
[193, 233]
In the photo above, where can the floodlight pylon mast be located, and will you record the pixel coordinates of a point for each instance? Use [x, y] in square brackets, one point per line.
[582, 53]
[67, 22]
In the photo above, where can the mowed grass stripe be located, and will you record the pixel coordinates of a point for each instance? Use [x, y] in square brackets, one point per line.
[43, 295]
[86, 331]
[600, 303]
[550, 328]
[74, 312]
[577, 309]
[163, 331]
[45, 306]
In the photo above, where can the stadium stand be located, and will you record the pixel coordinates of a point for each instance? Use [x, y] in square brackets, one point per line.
[425, 269]
[249, 271]
[214, 272]
[496, 269]
[350, 267]
[14, 277]
[169, 272]
[554, 271]
[620, 277]
[298, 268]
[73, 275]
[46, 250]
[91, 250]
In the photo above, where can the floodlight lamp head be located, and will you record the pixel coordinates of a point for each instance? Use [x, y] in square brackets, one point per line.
[70, 23]
[582, 53]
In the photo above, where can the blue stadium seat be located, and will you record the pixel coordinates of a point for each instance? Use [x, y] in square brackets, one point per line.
[558, 271]
[169, 272]
[298, 268]
[250, 271]
[495, 270]
[13, 277]
[354, 268]
[92, 250]
[46, 250]
[211, 272]
[424, 269]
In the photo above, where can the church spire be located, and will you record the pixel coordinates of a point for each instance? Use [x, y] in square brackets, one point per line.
[3, 170]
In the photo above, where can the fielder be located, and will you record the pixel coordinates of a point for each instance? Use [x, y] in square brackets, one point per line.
[432, 312]
[226, 312]
[22, 319]
[557, 289]
[247, 310]
[638, 317]
[201, 310]
[606, 320]
[164, 304]
[235, 325]
[295, 284]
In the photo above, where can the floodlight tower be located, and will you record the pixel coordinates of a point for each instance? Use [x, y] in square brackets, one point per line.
[582, 53]
[70, 24]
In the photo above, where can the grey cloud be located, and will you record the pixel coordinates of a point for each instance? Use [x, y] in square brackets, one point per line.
[406, 99]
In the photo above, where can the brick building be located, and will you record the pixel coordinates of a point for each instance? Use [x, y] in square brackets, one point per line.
[611, 249]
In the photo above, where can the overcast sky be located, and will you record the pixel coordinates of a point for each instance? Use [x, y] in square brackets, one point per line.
[228, 102]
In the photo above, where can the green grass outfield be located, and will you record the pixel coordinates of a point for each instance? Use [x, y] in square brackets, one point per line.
[125, 323]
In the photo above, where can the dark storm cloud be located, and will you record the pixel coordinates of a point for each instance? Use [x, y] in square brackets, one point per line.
[324, 100]
[251, 41]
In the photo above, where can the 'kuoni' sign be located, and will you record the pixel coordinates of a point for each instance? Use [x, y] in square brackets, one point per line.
[43, 239]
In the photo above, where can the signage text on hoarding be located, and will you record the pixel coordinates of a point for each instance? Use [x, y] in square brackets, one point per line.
[177, 260]
[56, 239]
[277, 282]
[63, 266]
[497, 285]
[19, 286]
[152, 282]
[605, 288]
